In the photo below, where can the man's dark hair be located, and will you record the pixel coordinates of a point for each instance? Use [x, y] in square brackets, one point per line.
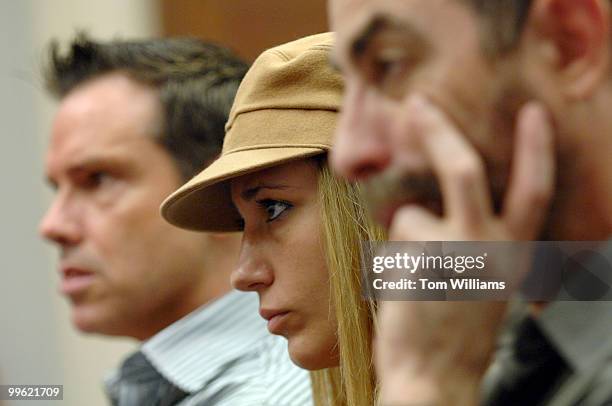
[196, 80]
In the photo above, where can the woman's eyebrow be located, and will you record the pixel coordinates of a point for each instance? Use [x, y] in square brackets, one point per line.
[250, 193]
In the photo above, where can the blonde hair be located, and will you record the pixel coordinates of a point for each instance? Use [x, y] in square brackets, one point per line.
[345, 224]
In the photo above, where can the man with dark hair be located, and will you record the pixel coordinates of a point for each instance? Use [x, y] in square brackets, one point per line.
[450, 110]
[136, 120]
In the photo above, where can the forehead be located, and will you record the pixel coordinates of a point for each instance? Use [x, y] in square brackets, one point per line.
[354, 19]
[300, 174]
[110, 113]
[345, 12]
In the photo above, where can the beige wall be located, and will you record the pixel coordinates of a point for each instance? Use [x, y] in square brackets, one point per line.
[246, 26]
[38, 344]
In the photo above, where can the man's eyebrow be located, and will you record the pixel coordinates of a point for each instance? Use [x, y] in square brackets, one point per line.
[107, 160]
[376, 25]
[250, 193]
[362, 39]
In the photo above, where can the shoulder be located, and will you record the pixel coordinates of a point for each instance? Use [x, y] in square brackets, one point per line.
[268, 377]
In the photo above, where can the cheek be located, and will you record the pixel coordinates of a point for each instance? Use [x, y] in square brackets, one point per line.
[313, 275]
[129, 234]
[465, 102]
[314, 350]
[471, 107]
[315, 345]
[296, 253]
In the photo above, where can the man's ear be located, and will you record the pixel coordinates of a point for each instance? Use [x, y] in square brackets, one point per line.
[572, 38]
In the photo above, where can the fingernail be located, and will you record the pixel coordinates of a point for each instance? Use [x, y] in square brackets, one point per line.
[535, 110]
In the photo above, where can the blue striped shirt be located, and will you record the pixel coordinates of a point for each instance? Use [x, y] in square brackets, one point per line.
[220, 355]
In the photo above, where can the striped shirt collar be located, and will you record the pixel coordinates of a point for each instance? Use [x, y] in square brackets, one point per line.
[196, 348]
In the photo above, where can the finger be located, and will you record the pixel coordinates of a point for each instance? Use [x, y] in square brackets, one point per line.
[414, 223]
[458, 166]
[532, 176]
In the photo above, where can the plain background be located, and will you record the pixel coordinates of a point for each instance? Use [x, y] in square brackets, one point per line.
[39, 346]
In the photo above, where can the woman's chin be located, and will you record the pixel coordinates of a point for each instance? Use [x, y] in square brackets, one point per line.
[307, 355]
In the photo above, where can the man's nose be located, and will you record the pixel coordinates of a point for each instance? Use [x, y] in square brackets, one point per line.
[361, 146]
[60, 223]
[253, 272]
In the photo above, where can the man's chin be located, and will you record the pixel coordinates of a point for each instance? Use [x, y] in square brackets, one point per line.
[86, 327]
[89, 321]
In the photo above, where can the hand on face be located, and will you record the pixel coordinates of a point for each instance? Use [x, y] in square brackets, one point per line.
[425, 346]
[468, 212]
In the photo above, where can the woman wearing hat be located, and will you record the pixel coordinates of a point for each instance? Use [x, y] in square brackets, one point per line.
[302, 226]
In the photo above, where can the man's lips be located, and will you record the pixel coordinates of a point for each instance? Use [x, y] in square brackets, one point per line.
[275, 319]
[75, 280]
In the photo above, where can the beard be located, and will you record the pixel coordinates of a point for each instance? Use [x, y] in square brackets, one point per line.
[395, 187]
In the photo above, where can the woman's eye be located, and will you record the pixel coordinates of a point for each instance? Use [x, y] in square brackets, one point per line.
[273, 208]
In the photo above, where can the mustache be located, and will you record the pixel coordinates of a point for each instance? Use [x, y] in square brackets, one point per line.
[394, 187]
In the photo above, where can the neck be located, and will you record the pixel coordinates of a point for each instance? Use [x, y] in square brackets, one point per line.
[220, 254]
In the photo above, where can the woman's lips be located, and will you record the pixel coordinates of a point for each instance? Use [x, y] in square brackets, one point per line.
[275, 319]
[275, 323]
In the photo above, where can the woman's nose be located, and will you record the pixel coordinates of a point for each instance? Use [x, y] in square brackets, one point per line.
[253, 271]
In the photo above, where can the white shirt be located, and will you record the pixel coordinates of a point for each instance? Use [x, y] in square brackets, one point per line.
[222, 355]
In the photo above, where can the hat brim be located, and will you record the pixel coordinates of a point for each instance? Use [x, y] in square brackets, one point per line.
[204, 203]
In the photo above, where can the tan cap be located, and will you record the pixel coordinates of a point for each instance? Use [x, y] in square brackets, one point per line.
[285, 109]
